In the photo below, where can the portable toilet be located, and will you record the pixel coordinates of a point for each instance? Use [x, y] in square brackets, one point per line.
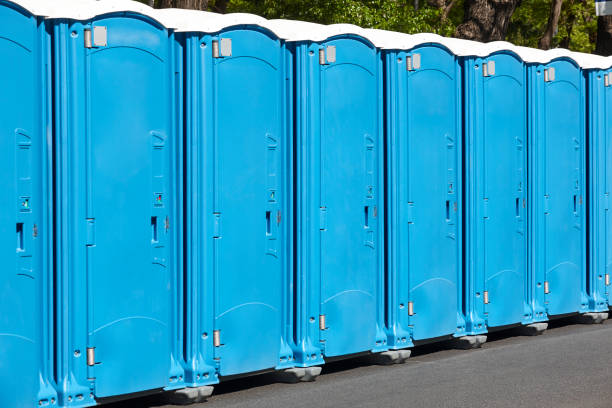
[238, 213]
[26, 360]
[599, 172]
[424, 148]
[116, 148]
[557, 152]
[496, 243]
[339, 203]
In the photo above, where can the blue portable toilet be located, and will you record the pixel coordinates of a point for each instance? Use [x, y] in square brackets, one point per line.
[238, 215]
[558, 229]
[599, 82]
[424, 146]
[497, 273]
[118, 292]
[26, 360]
[339, 280]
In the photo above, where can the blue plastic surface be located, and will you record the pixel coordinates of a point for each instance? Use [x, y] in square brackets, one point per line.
[25, 311]
[237, 215]
[599, 178]
[557, 163]
[424, 144]
[116, 150]
[339, 200]
[496, 192]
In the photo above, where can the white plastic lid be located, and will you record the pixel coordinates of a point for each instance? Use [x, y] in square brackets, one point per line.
[206, 22]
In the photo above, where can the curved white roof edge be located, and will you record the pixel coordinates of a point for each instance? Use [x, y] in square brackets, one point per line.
[289, 30]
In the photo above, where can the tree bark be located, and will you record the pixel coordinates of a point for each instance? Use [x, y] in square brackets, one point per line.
[604, 36]
[486, 20]
[569, 26]
[553, 23]
[185, 4]
[446, 11]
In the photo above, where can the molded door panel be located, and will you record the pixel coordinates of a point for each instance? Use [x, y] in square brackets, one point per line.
[247, 196]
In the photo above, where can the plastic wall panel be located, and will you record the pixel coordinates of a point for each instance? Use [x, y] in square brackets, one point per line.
[424, 148]
[117, 283]
[599, 149]
[557, 159]
[339, 200]
[237, 211]
[26, 363]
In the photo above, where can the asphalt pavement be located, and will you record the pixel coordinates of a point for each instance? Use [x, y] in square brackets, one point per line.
[570, 365]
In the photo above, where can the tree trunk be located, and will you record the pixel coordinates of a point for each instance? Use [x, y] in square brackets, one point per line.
[604, 36]
[569, 26]
[447, 9]
[185, 4]
[486, 20]
[152, 3]
[553, 22]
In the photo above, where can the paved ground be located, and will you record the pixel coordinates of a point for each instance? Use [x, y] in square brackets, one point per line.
[569, 366]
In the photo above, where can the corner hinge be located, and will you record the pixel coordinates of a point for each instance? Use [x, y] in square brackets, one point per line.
[98, 37]
[413, 62]
[549, 75]
[327, 55]
[91, 356]
[217, 338]
[222, 48]
[607, 80]
[546, 287]
[322, 325]
[485, 297]
[607, 279]
[411, 308]
[488, 69]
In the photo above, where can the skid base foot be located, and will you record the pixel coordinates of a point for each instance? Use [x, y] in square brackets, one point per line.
[390, 357]
[533, 329]
[593, 318]
[298, 374]
[187, 396]
[470, 342]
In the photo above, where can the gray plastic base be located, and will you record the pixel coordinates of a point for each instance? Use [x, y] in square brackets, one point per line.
[187, 396]
[593, 318]
[298, 374]
[533, 329]
[391, 357]
[470, 342]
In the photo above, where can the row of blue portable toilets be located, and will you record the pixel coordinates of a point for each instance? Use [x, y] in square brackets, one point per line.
[190, 196]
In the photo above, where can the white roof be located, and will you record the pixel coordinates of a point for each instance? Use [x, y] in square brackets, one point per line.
[201, 21]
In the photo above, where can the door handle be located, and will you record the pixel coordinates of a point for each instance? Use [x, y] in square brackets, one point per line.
[154, 230]
[20, 242]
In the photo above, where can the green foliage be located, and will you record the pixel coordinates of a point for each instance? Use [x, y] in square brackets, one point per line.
[384, 14]
[577, 26]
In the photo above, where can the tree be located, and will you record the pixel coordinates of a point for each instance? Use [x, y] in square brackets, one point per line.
[486, 20]
[552, 26]
[604, 36]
